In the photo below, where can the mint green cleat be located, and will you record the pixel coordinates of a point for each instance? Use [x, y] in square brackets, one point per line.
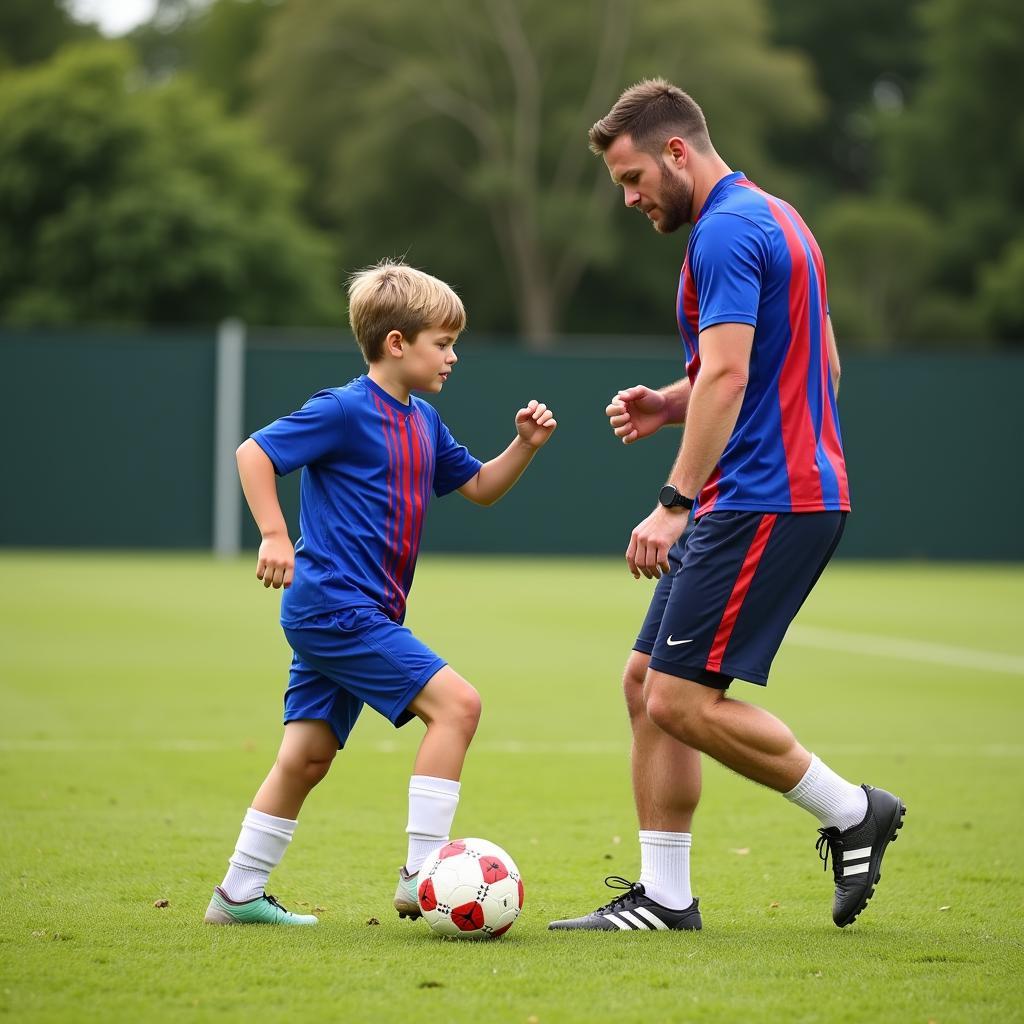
[407, 901]
[262, 910]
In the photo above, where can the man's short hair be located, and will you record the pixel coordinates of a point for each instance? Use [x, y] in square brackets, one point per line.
[394, 297]
[650, 113]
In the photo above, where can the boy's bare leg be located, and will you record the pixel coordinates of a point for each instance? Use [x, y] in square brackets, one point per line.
[304, 758]
[450, 709]
[305, 755]
[666, 789]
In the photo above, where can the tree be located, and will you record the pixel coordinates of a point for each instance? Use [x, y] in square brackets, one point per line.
[881, 256]
[457, 133]
[957, 151]
[126, 204]
[33, 30]
[213, 42]
[865, 56]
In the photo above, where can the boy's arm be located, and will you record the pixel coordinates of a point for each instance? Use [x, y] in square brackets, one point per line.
[276, 563]
[534, 425]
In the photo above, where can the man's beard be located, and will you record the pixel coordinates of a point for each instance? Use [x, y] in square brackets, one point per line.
[674, 202]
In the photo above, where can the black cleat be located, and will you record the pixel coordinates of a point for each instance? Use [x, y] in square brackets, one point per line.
[632, 911]
[857, 853]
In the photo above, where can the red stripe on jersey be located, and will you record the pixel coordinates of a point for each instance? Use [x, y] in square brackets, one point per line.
[691, 313]
[709, 492]
[409, 498]
[427, 476]
[798, 440]
[829, 435]
[396, 598]
[739, 591]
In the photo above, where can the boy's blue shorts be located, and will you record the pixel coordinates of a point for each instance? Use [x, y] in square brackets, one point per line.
[736, 581]
[351, 657]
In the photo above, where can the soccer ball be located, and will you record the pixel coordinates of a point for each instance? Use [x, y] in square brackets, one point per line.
[471, 890]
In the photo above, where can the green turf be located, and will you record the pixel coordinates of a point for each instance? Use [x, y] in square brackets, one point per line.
[140, 701]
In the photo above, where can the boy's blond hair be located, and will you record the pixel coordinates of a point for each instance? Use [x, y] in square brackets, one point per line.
[394, 297]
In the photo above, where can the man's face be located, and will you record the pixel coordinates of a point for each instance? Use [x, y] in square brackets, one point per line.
[428, 359]
[658, 188]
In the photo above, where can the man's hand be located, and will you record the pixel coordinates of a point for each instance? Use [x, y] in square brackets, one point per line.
[649, 542]
[535, 424]
[276, 561]
[637, 412]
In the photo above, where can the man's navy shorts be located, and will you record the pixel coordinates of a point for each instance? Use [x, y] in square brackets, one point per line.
[351, 657]
[736, 581]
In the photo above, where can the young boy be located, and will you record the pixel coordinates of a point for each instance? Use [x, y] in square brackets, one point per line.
[370, 454]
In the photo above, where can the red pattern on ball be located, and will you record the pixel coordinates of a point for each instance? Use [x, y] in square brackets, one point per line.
[492, 869]
[452, 850]
[469, 917]
[428, 901]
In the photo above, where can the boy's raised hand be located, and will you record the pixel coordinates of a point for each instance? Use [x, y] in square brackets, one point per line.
[276, 562]
[535, 424]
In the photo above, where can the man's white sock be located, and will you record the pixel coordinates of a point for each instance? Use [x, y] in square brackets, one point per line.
[665, 868]
[432, 804]
[835, 802]
[260, 847]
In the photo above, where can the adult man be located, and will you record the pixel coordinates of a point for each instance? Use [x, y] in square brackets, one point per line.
[762, 462]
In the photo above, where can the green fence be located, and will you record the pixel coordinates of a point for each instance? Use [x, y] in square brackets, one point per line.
[109, 443]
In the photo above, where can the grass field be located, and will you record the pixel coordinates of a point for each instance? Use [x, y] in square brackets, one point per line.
[141, 699]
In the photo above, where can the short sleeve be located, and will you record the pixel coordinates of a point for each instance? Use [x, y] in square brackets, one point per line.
[314, 432]
[453, 464]
[728, 264]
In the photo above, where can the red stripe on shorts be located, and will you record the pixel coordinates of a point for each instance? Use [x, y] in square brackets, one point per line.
[739, 592]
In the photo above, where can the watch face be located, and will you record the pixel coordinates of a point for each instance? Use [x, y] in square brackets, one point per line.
[667, 495]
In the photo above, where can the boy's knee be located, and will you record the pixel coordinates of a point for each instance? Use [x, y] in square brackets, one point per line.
[468, 708]
[309, 766]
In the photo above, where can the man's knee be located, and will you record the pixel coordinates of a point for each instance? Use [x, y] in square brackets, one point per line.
[633, 684]
[676, 706]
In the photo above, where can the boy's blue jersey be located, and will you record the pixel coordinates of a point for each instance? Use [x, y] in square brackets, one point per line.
[368, 466]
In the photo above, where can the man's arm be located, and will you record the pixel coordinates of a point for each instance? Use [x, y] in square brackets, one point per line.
[712, 411]
[833, 355]
[276, 563]
[714, 405]
[534, 425]
[639, 412]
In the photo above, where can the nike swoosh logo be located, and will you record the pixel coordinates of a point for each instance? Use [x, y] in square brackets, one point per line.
[676, 643]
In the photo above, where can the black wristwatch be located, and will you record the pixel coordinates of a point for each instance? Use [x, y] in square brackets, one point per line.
[671, 498]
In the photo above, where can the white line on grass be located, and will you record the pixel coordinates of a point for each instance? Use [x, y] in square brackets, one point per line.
[528, 747]
[875, 645]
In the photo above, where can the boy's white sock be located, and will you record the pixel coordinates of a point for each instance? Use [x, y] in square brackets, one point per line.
[835, 802]
[665, 868]
[432, 804]
[260, 847]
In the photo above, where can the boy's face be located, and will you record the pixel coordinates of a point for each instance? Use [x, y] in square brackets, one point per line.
[428, 359]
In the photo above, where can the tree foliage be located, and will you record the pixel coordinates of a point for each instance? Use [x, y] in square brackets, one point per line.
[34, 30]
[215, 43]
[121, 203]
[958, 151]
[454, 133]
[458, 135]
